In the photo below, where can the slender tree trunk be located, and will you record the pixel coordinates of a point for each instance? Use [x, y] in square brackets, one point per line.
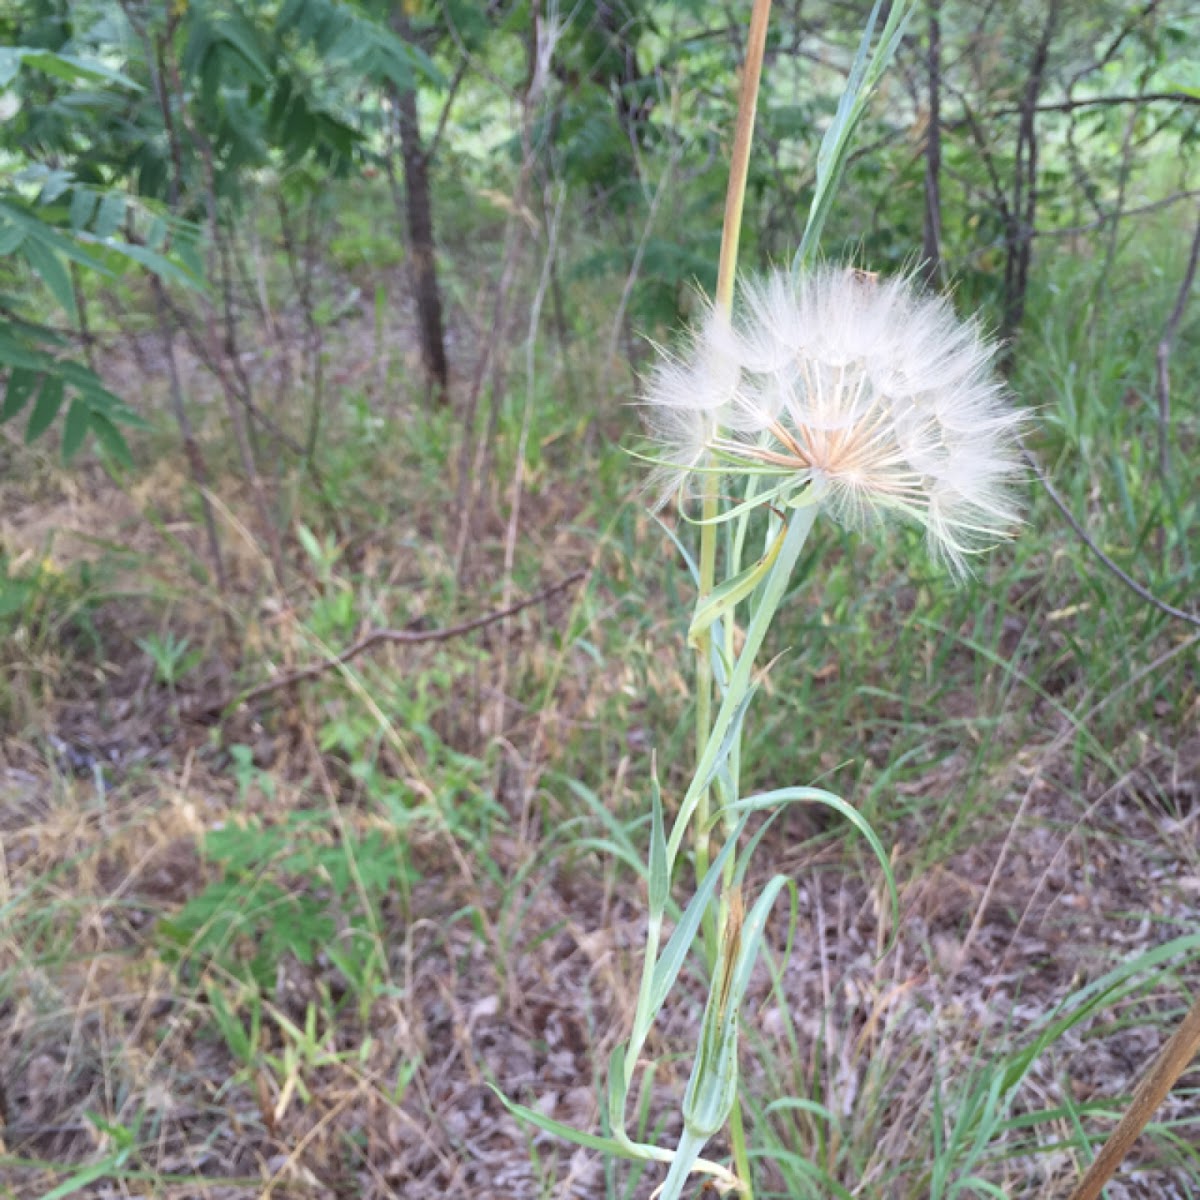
[476, 452]
[419, 217]
[156, 57]
[621, 25]
[1019, 235]
[420, 243]
[191, 447]
[932, 242]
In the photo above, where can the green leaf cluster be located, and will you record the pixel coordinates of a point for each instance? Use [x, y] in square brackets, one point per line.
[255, 914]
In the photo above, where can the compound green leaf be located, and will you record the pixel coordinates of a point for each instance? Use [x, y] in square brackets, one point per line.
[75, 428]
[21, 382]
[49, 401]
[50, 269]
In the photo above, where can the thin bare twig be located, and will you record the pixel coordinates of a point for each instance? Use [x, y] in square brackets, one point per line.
[1083, 535]
[1153, 206]
[931, 245]
[1102, 102]
[1124, 171]
[378, 637]
[1022, 216]
[635, 267]
[475, 451]
[1110, 51]
[431, 146]
[1163, 355]
[516, 491]
[191, 447]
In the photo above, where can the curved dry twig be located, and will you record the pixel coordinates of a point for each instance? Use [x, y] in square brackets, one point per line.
[1163, 354]
[1128, 580]
[379, 636]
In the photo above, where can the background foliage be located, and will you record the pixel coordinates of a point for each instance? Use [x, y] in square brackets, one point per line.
[336, 311]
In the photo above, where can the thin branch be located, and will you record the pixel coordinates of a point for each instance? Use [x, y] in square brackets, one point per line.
[215, 367]
[1124, 171]
[1018, 245]
[1127, 579]
[1068, 106]
[635, 267]
[376, 637]
[475, 451]
[999, 193]
[1073, 230]
[1163, 356]
[931, 245]
[1104, 102]
[1118, 40]
[514, 515]
[191, 447]
[455, 83]
[474, 60]
[1185, 134]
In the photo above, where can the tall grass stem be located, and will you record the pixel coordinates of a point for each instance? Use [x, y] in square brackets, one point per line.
[735, 198]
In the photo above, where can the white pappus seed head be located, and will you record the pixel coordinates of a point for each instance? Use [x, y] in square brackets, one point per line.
[869, 393]
[688, 398]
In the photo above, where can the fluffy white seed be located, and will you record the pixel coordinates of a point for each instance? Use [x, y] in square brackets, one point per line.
[870, 393]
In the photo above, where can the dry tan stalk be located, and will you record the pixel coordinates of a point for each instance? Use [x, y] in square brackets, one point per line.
[1171, 1062]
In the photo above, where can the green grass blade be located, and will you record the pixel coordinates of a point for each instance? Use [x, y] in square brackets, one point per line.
[810, 795]
[591, 1141]
[835, 145]
[667, 969]
[660, 867]
[731, 593]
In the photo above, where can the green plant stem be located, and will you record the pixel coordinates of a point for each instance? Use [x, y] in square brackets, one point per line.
[704, 690]
[771, 593]
[739, 159]
[737, 1143]
[643, 1018]
[735, 199]
[800, 521]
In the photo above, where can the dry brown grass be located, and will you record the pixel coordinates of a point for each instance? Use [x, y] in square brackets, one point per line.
[509, 955]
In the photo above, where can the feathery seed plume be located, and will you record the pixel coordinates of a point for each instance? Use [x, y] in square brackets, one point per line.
[870, 395]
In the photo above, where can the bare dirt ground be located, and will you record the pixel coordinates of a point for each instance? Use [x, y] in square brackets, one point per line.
[520, 972]
[528, 982]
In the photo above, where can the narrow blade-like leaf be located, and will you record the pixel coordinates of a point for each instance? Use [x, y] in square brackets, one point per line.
[667, 969]
[660, 867]
[49, 401]
[809, 795]
[731, 593]
[50, 269]
[21, 382]
[617, 1089]
[591, 1141]
[110, 437]
[75, 428]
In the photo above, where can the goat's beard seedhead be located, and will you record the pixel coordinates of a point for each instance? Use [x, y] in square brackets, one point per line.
[870, 394]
